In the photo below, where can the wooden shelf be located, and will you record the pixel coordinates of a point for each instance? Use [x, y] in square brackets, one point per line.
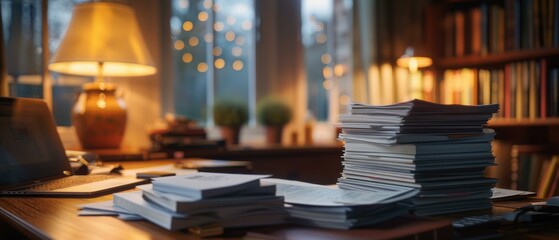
[496, 59]
[526, 122]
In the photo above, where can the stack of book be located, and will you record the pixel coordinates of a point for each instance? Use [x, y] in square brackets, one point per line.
[441, 150]
[202, 199]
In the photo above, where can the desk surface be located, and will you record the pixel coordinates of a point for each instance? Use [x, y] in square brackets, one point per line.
[57, 218]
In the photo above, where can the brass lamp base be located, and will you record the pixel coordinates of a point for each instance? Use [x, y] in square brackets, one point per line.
[99, 116]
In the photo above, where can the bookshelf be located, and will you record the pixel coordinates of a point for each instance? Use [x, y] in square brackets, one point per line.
[506, 52]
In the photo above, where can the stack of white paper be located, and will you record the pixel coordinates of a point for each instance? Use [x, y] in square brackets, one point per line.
[321, 206]
[441, 150]
[226, 200]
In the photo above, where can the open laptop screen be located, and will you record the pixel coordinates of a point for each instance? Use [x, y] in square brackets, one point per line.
[30, 148]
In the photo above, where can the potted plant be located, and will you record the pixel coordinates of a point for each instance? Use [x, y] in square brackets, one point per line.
[274, 114]
[230, 116]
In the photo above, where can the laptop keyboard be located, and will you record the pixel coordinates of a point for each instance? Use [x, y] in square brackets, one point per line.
[69, 182]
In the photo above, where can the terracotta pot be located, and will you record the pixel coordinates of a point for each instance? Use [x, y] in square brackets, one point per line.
[274, 134]
[99, 116]
[231, 135]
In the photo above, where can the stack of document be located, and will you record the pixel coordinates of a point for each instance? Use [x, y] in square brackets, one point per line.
[441, 150]
[201, 199]
[330, 207]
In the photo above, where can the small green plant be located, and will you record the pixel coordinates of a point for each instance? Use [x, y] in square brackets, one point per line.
[230, 114]
[273, 112]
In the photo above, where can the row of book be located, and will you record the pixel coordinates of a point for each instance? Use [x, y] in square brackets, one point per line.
[526, 89]
[496, 27]
[526, 167]
[439, 150]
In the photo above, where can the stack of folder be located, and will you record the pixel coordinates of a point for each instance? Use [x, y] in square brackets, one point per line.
[441, 150]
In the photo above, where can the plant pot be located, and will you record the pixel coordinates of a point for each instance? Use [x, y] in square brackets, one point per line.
[231, 135]
[274, 134]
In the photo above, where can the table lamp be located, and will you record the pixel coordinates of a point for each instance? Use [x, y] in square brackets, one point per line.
[103, 39]
[413, 61]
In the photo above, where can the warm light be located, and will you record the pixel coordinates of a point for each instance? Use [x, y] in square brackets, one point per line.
[327, 84]
[321, 38]
[230, 36]
[179, 45]
[217, 51]
[183, 4]
[327, 72]
[231, 20]
[339, 70]
[238, 65]
[240, 40]
[187, 26]
[202, 67]
[207, 4]
[344, 100]
[203, 16]
[218, 26]
[217, 7]
[101, 102]
[187, 57]
[107, 33]
[219, 63]
[193, 41]
[246, 25]
[326, 58]
[412, 62]
[237, 51]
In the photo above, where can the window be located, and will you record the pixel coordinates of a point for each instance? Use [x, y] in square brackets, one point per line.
[213, 48]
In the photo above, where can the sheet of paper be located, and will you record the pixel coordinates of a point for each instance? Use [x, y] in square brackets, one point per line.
[161, 168]
[499, 193]
[318, 195]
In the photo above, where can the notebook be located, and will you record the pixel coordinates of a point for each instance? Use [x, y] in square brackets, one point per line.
[33, 161]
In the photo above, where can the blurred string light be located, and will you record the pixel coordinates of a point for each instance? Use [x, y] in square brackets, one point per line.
[231, 20]
[230, 36]
[344, 100]
[217, 51]
[246, 25]
[193, 41]
[187, 26]
[240, 40]
[217, 7]
[321, 38]
[327, 72]
[327, 84]
[202, 67]
[207, 4]
[339, 70]
[178, 45]
[219, 63]
[203, 16]
[218, 26]
[326, 58]
[237, 51]
[238, 65]
[187, 57]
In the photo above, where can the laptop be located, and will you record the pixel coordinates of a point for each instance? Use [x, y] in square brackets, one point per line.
[33, 161]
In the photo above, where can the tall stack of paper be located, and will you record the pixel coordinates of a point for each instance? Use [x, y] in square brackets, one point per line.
[330, 207]
[441, 150]
[225, 200]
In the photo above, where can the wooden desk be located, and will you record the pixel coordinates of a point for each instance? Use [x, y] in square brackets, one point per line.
[56, 218]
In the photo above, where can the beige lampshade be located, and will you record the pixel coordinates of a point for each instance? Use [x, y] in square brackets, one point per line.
[103, 32]
[412, 61]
